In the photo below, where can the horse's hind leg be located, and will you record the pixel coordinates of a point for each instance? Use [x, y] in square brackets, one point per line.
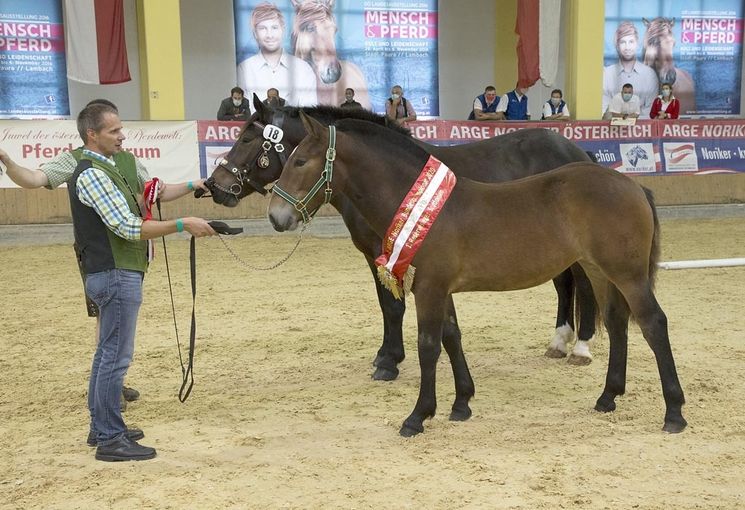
[616, 315]
[564, 285]
[391, 352]
[653, 323]
[587, 312]
[464, 388]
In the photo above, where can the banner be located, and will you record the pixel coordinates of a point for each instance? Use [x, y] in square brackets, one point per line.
[33, 84]
[315, 50]
[215, 140]
[695, 45]
[167, 149]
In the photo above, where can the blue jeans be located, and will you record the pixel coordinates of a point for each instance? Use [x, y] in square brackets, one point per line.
[118, 294]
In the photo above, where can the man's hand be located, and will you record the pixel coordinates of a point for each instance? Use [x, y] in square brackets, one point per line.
[198, 227]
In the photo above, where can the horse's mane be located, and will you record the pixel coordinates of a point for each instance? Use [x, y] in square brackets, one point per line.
[333, 114]
[380, 134]
[307, 14]
[656, 29]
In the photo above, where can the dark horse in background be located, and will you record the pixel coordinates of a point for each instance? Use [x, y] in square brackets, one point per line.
[494, 237]
[253, 162]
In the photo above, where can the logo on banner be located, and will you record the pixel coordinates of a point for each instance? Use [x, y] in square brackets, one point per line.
[680, 157]
[637, 157]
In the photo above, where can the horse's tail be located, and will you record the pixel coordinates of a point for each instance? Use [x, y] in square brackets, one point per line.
[654, 255]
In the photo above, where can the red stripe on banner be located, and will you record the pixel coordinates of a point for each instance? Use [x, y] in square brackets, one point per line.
[112, 47]
[528, 54]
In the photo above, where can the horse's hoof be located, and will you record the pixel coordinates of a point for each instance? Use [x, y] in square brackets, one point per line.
[552, 352]
[675, 426]
[605, 405]
[410, 431]
[460, 414]
[578, 361]
[377, 360]
[385, 374]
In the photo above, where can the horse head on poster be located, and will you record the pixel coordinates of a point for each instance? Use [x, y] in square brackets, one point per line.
[313, 37]
[658, 48]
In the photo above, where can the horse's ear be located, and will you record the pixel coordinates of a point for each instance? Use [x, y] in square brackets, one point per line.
[259, 106]
[296, 4]
[311, 125]
[646, 22]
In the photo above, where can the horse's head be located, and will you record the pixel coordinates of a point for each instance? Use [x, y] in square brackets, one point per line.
[305, 183]
[659, 42]
[313, 37]
[254, 161]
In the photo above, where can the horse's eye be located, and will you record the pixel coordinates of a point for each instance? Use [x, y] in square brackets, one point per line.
[300, 162]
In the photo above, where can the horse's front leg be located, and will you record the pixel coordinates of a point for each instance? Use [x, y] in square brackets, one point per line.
[430, 311]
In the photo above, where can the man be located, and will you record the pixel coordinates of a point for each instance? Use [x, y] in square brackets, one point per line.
[349, 101]
[485, 105]
[398, 108]
[555, 108]
[271, 67]
[629, 70]
[273, 99]
[235, 107]
[111, 234]
[625, 104]
[514, 104]
[58, 171]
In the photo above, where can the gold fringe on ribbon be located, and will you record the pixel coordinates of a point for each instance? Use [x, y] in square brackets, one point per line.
[390, 282]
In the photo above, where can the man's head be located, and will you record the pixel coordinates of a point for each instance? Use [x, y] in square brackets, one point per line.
[272, 96]
[556, 96]
[103, 101]
[627, 41]
[237, 94]
[349, 94]
[627, 91]
[397, 92]
[490, 93]
[268, 26]
[100, 128]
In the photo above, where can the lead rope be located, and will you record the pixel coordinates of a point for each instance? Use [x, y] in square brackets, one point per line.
[267, 268]
[187, 373]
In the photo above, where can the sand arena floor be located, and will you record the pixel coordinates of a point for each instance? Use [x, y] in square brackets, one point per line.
[284, 413]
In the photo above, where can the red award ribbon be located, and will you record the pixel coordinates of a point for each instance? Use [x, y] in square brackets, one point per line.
[411, 223]
[152, 189]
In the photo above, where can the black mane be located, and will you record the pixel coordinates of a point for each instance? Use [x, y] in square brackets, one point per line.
[377, 133]
[332, 114]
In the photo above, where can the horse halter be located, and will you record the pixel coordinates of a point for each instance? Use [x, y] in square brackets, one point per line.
[272, 134]
[302, 205]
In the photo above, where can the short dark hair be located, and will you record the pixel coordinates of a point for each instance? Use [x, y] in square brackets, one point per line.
[237, 89]
[557, 91]
[348, 89]
[103, 101]
[627, 86]
[490, 87]
[91, 117]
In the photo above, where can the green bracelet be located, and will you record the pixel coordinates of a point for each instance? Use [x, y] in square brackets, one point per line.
[190, 186]
[179, 225]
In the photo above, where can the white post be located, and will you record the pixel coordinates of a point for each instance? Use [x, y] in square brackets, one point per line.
[696, 264]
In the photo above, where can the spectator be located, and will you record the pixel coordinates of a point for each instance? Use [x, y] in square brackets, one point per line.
[555, 108]
[398, 108]
[625, 104]
[666, 105]
[271, 67]
[235, 107]
[111, 234]
[514, 104]
[349, 101]
[273, 99]
[629, 70]
[485, 105]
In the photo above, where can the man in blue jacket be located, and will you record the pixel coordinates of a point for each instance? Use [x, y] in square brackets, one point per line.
[485, 105]
[514, 104]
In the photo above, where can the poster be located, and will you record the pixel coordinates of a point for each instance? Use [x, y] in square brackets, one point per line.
[33, 81]
[696, 45]
[327, 46]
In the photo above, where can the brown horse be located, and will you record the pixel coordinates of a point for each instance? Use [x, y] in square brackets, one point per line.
[256, 160]
[659, 42]
[313, 40]
[504, 236]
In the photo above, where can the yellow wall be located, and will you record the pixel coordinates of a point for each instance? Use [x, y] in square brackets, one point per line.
[161, 68]
[583, 68]
[505, 53]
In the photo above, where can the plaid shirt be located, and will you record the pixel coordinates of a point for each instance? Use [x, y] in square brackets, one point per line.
[60, 169]
[96, 189]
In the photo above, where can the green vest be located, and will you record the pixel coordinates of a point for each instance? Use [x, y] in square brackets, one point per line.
[97, 253]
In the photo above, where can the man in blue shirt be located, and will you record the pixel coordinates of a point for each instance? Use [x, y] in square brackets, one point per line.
[514, 104]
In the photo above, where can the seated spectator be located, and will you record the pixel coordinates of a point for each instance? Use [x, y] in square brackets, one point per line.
[666, 105]
[485, 105]
[398, 108]
[349, 101]
[625, 104]
[555, 108]
[273, 99]
[235, 107]
[514, 104]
